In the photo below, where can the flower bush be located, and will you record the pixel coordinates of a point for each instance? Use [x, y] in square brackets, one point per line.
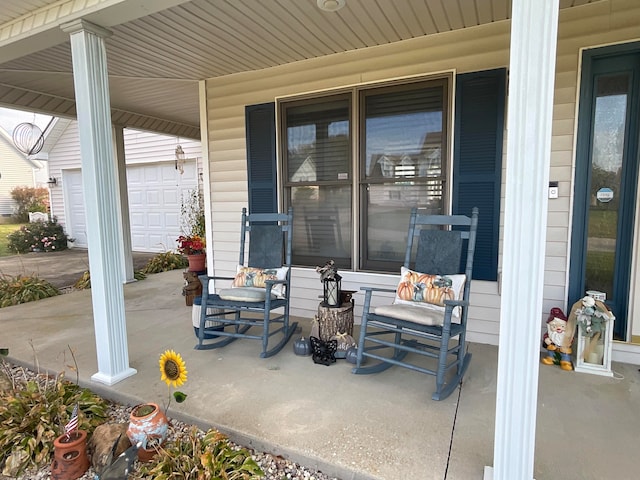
[38, 236]
[29, 199]
[193, 245]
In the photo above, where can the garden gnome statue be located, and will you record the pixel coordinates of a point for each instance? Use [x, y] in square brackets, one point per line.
[558, 340]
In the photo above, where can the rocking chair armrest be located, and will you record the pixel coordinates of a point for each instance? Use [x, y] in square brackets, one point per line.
[215, 277]
[269, 284]
[378, 289]
[204, 279]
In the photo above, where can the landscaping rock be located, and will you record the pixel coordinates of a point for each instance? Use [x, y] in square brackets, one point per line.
[102, 440]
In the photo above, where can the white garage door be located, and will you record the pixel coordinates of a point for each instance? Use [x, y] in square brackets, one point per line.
[155, 193]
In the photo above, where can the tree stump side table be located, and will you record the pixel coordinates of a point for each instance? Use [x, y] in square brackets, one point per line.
[334, 320]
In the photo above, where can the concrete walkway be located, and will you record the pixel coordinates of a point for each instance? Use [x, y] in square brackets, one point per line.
[382, 426]
[61, 269]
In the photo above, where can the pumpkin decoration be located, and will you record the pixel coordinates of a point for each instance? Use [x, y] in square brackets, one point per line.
[426, 279]
[446, 293]
[405, 291]
[259, 279]
[343, 342]
[432, 295]
[411, 277]
[352, 355]
[302, 347]
[239, 280]
[315, 327]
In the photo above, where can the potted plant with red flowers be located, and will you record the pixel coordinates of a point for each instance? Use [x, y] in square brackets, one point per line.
[191, 242]
[194, 248]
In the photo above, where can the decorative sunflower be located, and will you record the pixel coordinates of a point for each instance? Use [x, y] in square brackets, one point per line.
[173, 371]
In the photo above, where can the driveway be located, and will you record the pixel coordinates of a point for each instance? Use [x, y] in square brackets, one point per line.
[61, 269]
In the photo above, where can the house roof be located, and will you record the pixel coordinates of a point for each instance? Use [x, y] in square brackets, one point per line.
[160, 50]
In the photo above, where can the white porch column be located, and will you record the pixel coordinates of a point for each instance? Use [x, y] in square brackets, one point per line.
[127, 256]
[100, 182]
[532, 62]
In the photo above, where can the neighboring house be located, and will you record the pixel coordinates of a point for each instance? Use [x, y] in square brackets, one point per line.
[155, 184]
[16, 170]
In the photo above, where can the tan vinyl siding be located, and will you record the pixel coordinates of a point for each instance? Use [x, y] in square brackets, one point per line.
[478, 48]
[15, 171]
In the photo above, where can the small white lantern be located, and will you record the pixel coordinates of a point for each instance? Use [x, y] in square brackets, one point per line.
[595, 335]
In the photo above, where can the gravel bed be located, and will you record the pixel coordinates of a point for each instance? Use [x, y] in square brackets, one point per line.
[274, 467]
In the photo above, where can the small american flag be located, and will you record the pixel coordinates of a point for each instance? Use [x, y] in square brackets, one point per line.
[73, 421]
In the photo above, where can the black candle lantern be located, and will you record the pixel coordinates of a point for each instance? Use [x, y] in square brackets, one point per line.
[331, 293]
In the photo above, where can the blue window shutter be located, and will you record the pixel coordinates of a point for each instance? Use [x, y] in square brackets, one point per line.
[260, 126]
[477, 167]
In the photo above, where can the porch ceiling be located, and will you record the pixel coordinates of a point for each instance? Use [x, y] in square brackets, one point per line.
[160, 50]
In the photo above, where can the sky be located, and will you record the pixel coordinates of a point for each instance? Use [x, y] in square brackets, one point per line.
[9, 119]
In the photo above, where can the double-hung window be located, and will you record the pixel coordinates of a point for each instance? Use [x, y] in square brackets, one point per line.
[355, 163]
[318, 166]
[403, 151]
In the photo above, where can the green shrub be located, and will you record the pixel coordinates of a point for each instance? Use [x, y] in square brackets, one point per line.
[29, 199]
[38, 236]
[163, 262]
[201, 456]
[84, 281]
[34, 413]
[23, 289]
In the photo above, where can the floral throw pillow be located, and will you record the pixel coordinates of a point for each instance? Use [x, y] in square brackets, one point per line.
[429, 291]
[257, 277]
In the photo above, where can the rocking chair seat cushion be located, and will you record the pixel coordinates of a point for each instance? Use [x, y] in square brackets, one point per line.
[412, 313]
[244, 294]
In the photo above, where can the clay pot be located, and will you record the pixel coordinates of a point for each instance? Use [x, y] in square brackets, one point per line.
[70, 459]
[146, 454]
[147, 424]
[197, 262]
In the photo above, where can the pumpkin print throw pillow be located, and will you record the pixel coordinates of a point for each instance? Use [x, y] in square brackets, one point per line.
[429, 291]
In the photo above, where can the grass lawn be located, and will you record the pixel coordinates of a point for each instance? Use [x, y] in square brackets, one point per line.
[6, 229]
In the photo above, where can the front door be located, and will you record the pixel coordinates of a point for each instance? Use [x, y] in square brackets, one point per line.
[606, 178]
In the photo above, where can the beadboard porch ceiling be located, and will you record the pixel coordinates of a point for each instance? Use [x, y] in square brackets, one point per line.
[160, 49]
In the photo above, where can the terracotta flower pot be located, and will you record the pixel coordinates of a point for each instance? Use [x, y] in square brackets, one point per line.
[70, 459]
[197, 262]
[147, 424]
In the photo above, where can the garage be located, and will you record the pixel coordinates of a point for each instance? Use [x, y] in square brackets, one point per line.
[155, 192]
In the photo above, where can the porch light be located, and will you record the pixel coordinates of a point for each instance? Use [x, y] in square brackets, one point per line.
[180, 159]
[331, 5]
[331, 291]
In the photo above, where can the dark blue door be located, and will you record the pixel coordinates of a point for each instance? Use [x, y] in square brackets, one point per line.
[606, 178]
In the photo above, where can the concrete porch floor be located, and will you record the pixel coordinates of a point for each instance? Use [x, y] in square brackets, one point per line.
[382, 426]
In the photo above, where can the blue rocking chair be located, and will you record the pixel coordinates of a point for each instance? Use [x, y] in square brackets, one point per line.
[429, 314]
[260, 287]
